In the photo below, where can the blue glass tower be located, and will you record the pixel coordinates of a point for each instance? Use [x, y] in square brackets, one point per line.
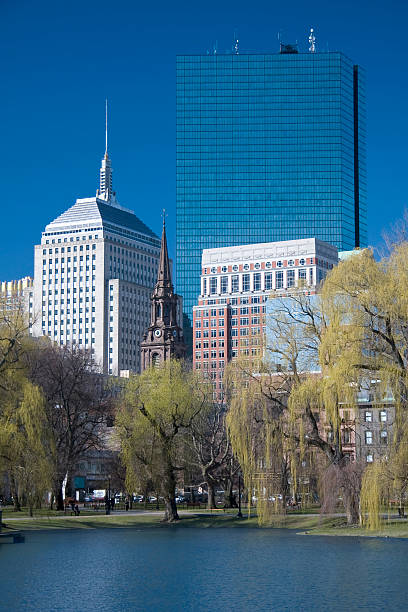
[269, 147]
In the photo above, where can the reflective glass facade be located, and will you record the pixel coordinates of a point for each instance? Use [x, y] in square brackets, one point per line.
[269, 147]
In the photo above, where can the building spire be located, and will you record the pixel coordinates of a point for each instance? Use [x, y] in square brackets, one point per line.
[106, 127]
[105, 174]
[164, 284]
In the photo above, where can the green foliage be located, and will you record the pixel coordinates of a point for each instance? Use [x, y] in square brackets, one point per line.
[153, 423]
[26, 452]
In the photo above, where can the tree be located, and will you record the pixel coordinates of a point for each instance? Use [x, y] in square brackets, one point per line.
[13, 338]
[323, 349]
[211, 446]
[256, 425]
[78, 403]
[25, 447]
[297, 391]
[154, 420]
[30, 450]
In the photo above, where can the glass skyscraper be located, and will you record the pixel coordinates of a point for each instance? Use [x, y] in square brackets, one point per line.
[269, 147]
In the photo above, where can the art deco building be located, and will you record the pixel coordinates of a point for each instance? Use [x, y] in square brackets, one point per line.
[94, 272]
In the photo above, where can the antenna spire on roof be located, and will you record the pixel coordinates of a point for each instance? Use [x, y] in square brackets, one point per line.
[105, 174]
[106, 127]
[312, 41]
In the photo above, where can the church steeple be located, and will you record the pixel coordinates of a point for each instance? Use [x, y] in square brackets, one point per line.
[164, 338]
[164, 284]
[105, 174]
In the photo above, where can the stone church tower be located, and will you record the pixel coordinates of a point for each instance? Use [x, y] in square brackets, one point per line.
[164, 337]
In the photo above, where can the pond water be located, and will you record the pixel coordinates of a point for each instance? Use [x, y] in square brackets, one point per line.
[201, 569]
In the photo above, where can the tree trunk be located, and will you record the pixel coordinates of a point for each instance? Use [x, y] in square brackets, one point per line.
[59, 500]
[352, 508]
[170, 510]
[14, 493]
[230, 498]
[211, 495]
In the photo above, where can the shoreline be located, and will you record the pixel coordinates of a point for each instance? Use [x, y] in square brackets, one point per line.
[311, 525]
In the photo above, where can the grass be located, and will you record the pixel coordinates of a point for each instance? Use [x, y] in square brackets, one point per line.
[394, 528]
[188, 520]
[308, 525]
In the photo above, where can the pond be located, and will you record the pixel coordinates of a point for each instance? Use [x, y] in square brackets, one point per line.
[201, 569]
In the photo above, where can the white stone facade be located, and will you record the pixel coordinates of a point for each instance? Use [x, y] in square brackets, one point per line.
[93, 275]
[255, 268]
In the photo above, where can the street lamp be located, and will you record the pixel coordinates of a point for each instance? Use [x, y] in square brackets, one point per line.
[239, 515]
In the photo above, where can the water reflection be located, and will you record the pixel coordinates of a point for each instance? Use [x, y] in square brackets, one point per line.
[201, 569]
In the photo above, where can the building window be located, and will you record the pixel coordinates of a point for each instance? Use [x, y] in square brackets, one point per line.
[290, 278]
[346, 436]
[224, 284]
[257, 281]
[369, 458]
[279, 280]
[383, 416]
[213, 285]
[268, 281]
[234, 283]
[368, 416]
[384, 437]
[368, 437]
[245, 282]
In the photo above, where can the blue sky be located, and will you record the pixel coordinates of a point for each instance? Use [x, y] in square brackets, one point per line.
[61, 59]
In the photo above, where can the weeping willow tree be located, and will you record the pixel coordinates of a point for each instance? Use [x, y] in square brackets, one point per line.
[377, 292]
[29, 453]
[321, 351]
[256, 424]
[309, 371]
[153, 425]
[26, 451]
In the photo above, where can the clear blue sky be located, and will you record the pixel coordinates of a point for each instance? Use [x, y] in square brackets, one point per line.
[61, 59]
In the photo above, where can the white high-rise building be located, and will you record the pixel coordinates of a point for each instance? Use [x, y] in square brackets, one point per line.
[93, 275]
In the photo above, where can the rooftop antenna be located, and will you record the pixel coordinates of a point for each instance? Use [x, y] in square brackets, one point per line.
[164, 215]
[312, 40]
[106, 126]
[236, 44]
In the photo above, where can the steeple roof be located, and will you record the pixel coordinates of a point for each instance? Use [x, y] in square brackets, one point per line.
[164, 284]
